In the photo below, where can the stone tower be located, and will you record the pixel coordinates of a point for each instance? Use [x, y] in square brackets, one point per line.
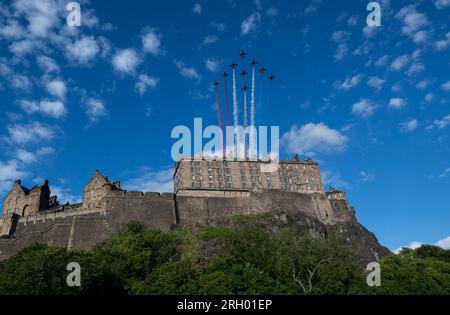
[24, 202]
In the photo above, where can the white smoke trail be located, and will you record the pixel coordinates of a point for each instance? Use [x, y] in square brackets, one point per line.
[235, 101]
[245, 110]
[252, 110]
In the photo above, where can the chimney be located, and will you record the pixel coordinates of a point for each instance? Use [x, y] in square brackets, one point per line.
[117, 184]
[46, 182]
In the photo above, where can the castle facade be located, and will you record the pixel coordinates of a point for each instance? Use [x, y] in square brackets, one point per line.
[204, 190]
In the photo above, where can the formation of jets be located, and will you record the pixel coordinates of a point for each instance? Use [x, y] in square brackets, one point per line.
[234, 65]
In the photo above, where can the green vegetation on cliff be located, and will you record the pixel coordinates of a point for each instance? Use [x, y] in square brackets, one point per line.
[241, 258]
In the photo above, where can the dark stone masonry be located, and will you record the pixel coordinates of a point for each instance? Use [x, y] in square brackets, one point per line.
[34, 216]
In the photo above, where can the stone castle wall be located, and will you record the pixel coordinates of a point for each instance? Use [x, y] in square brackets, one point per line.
[106, 209]
[84, 229]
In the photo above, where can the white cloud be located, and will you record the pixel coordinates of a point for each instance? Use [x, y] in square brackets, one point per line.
[334, 180]
[251, 23]
[442, 123]
[30, 133]
[197, 8]
[55, 109]
[341, 52]
[47, 64]
[126, 61]
[83, 50]
[313, 138]
[397, 103]
[45, 151]
[348, 83]
[65, 195]
[422, 85]
[151, 42]
[150, 180]
[95, 109]
[415, 68]
[23, 47]
[11, 30]
[57, 88]
[210, 39]
[20, 82]
[442, 44]
[146, 82]
[9, 172]
[366, 177]
[429, 97]
[212, 65]
[445, 173]
[187, 72]
[218, 26]
[444, 243]
[413, 23]
[382, 61]
[408, 126]
[413, 245]
[376, 83]
[446, 86]
[26, 156]
[400, 62]
[442, 4]
[341, 38]
[364, 108]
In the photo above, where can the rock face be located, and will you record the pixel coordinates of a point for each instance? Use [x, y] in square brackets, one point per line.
[34, 216]
[348, 232]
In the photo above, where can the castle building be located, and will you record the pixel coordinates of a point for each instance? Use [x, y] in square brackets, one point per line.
[204, 190]
[237, 175]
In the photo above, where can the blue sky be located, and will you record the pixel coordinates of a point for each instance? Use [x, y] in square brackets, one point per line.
[372, 105]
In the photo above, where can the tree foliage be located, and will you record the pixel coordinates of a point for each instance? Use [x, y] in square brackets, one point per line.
[243, 258]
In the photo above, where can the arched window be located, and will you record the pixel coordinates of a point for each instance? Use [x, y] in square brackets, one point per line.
[25, 211]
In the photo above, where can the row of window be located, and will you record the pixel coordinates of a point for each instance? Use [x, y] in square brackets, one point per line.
[200, 185]
[227, 185]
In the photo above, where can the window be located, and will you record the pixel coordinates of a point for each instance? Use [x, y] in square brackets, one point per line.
[193, 184]
[229, 178]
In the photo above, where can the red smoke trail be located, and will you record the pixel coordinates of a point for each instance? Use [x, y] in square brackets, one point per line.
[219, 116]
